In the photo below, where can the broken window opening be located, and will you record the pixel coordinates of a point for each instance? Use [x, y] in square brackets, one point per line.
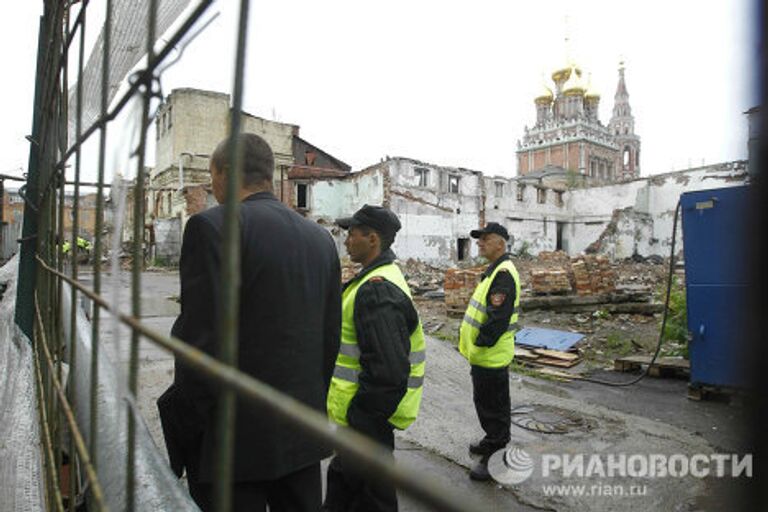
[453, 184]
[559, 238]
[462, 249]
[423, 176]
[301, 195]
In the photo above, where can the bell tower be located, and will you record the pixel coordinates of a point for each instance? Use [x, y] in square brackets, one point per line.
[622, 127]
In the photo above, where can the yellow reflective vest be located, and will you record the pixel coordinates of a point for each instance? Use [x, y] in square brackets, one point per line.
[344, 384]
[499, 355]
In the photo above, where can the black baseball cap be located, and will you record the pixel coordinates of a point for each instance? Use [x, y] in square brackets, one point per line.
[491, 227]
[377, 217]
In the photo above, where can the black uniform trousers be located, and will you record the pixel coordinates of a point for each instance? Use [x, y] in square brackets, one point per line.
[348, 491]
[491, 396]
[300, 491]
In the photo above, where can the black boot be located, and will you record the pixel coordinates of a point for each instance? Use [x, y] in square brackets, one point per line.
[480, 471]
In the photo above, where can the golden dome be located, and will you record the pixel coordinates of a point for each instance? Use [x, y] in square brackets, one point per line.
[545, 94]
[591, 93]
[564, 73]
[574, 85]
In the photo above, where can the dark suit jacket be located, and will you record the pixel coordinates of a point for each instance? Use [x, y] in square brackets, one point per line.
[289, 330]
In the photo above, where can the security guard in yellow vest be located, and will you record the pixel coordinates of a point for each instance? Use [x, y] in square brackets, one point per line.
[377, 383]
[487, 340]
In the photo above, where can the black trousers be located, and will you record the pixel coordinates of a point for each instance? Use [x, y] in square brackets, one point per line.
[348, 491]
[490, 392]
[300, 491]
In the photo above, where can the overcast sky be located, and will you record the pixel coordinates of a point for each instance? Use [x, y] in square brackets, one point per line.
[452, 83]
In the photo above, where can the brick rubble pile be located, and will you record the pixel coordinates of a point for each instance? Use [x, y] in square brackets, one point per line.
[459, 285]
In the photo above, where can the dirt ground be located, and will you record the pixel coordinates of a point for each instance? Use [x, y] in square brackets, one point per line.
[607, 335]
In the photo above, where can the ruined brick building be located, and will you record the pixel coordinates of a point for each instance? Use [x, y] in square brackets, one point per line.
[568, 139]
[609, 210]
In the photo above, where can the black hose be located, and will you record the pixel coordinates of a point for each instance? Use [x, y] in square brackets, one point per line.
[663, 319]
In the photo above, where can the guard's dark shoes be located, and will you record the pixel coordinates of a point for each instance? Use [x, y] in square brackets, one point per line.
[478, 448]
[480, 471]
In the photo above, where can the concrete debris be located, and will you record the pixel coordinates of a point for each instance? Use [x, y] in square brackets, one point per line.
[422, 277]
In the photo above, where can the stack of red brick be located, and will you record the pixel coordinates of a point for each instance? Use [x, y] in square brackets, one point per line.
[459, 285]
[550, 282]
[593, 275]
[555, 258]
[586, 275]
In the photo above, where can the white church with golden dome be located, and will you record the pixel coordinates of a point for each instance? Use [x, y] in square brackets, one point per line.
[569, 139]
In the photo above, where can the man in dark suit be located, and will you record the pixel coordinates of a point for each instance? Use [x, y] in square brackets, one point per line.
[290, 314]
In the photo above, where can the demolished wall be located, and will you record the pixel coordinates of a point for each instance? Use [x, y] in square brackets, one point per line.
[636, 217]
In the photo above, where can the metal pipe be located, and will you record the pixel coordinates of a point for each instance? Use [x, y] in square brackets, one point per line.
[97, 246]
[75, 248]
[54, 488]
[138, 262]
[231, 278]
[77, 438]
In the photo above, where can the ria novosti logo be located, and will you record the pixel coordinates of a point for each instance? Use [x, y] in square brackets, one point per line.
[512, 466]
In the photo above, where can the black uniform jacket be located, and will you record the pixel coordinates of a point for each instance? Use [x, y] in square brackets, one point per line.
[500, 302]
[384, 320]
[289, 331]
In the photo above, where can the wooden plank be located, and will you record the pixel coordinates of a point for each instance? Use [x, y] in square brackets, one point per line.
[557, 354]
[551, 361]
[524, 353]
[558, 374]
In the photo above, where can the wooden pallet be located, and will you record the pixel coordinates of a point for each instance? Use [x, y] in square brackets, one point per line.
[662, 367]
[707, 392]
[540, 356]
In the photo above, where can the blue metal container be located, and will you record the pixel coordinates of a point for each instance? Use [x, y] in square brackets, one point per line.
[715, 225]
